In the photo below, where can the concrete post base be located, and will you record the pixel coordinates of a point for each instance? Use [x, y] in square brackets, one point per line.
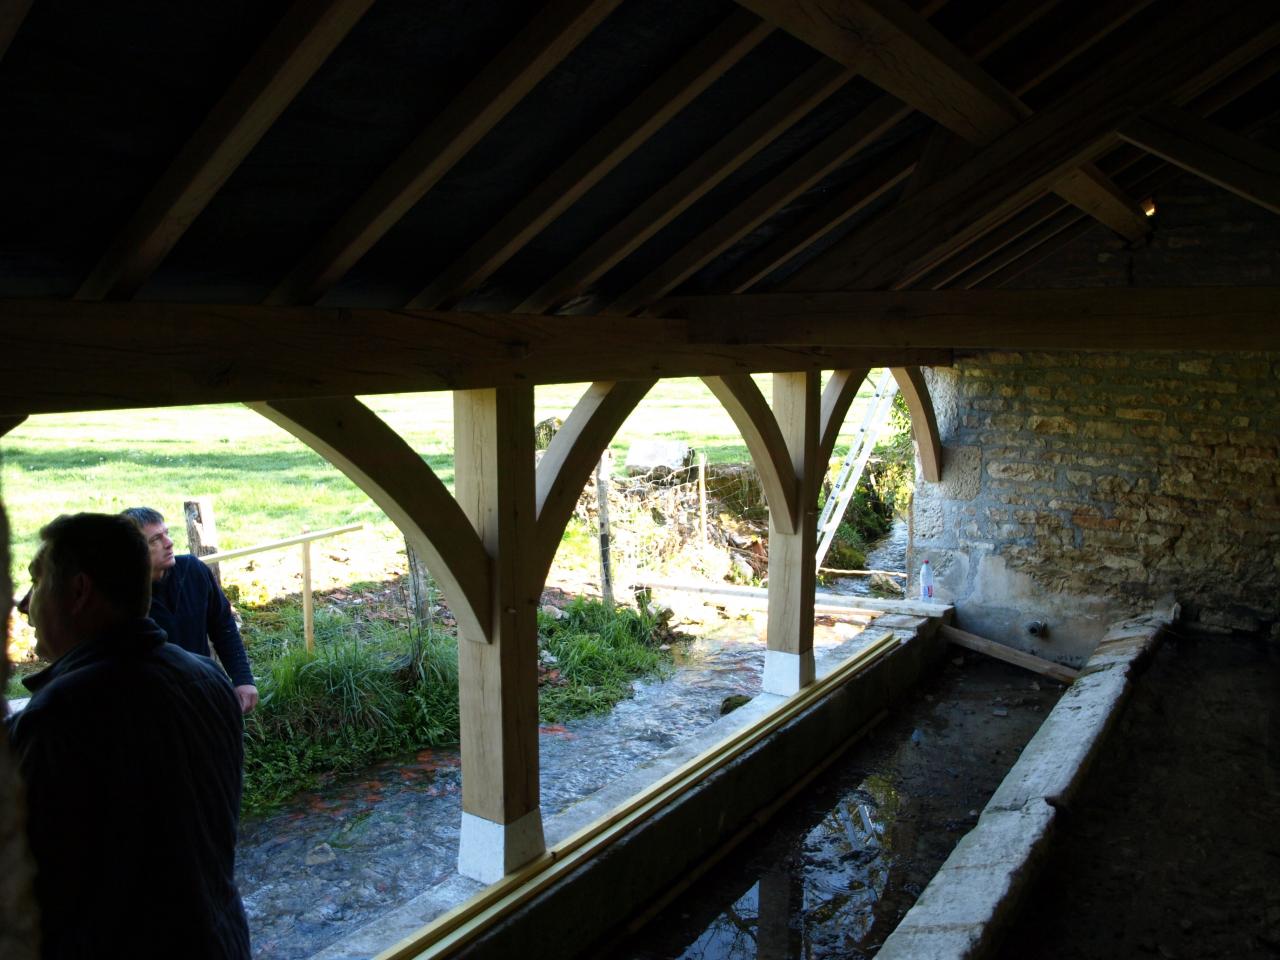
[488, 851]
[785, 673]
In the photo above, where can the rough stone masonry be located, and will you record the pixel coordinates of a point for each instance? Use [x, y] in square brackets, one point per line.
[1079, 487]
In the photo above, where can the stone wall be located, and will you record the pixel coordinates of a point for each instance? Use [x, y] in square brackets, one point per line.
[1079, 487]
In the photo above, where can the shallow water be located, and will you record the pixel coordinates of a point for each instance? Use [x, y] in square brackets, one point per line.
[834, 871]
[888, 553]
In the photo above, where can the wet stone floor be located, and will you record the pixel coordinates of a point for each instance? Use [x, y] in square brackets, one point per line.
[333, 861]
[834, 871]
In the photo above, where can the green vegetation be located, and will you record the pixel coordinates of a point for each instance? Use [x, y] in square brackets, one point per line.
[373, 689]
[883, 492]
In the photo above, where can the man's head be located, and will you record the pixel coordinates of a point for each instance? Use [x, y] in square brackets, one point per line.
[92, 572]
[153, 528]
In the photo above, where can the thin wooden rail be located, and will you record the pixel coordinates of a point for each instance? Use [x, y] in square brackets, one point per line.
[305, 539]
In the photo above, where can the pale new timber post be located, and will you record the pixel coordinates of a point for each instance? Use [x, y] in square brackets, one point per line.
[498, 673]
[788, 663]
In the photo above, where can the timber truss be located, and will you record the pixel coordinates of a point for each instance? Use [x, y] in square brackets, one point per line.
[291, 205]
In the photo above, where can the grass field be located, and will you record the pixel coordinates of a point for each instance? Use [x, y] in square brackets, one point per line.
[267, 485]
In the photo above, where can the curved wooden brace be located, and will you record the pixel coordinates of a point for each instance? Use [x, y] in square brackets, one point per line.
[746, 405]
[924, 425]
[573, 452]
[376, 458]
[837, 397]
[8, 423]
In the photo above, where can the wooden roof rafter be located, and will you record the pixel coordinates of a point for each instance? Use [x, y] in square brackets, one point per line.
[737, 36]
[900, 52]
[304, 38]
[733, 150]
[550, 36]
[1179, 60]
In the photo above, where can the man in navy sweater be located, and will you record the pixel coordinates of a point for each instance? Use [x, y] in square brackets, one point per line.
[130, 751]
[191, 608]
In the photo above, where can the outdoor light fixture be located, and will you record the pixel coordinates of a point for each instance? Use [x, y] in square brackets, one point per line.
[1149, 206]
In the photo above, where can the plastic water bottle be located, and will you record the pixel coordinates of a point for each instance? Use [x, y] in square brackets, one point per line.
[926, 581]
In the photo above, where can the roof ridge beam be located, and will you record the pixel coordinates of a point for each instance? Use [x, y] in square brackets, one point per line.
[551, 36]
[290, 56]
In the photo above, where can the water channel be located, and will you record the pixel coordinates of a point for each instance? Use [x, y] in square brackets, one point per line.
[332, 861]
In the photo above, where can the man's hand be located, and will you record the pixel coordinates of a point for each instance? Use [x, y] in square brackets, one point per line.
[248, 695]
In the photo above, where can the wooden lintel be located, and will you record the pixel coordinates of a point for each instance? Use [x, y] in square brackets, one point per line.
[1181, 318]
[67, 355]
[1019, 658]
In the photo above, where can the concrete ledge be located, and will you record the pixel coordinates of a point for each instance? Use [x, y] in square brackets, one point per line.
[972, 897]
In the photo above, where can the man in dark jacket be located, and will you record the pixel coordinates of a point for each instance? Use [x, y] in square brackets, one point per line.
[131, 753]
[190, 606]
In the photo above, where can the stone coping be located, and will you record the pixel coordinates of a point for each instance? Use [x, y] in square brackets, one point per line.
[969, 901]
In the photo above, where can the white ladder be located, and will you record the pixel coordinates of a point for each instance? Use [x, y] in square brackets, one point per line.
[855, 462]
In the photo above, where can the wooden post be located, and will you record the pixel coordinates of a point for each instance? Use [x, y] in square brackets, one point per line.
[603, 470]
[498, 671]
[308, 608]
[202, 531]
[789, 654]
[702, 495]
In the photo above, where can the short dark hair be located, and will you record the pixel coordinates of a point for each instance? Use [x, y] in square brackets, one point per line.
[143, 516]
[109, 549]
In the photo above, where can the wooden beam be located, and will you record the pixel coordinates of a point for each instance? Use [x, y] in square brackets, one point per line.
[545, 41]
[12, 13]
[1178, 59]
[1028, 661]
[374, 457]
[805, 172]
[837, 397]
[574, 451]
[898, 50]
[746, 405]
[731, 152]
[1103, 318]
[302, 41]
[64, 355]
[1238, 164]
[924, 423]
[706, 62]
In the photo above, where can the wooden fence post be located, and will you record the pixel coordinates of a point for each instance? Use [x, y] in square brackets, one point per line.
[702, 495]
[202, 531]
[308, 606]
[603, 470]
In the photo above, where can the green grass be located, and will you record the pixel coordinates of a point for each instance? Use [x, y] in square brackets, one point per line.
[267, 485]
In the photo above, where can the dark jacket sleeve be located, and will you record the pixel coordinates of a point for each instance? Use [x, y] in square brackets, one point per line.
[224, 634]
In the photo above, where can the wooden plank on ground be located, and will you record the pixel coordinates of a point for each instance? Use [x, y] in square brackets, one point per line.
[1019, 658]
